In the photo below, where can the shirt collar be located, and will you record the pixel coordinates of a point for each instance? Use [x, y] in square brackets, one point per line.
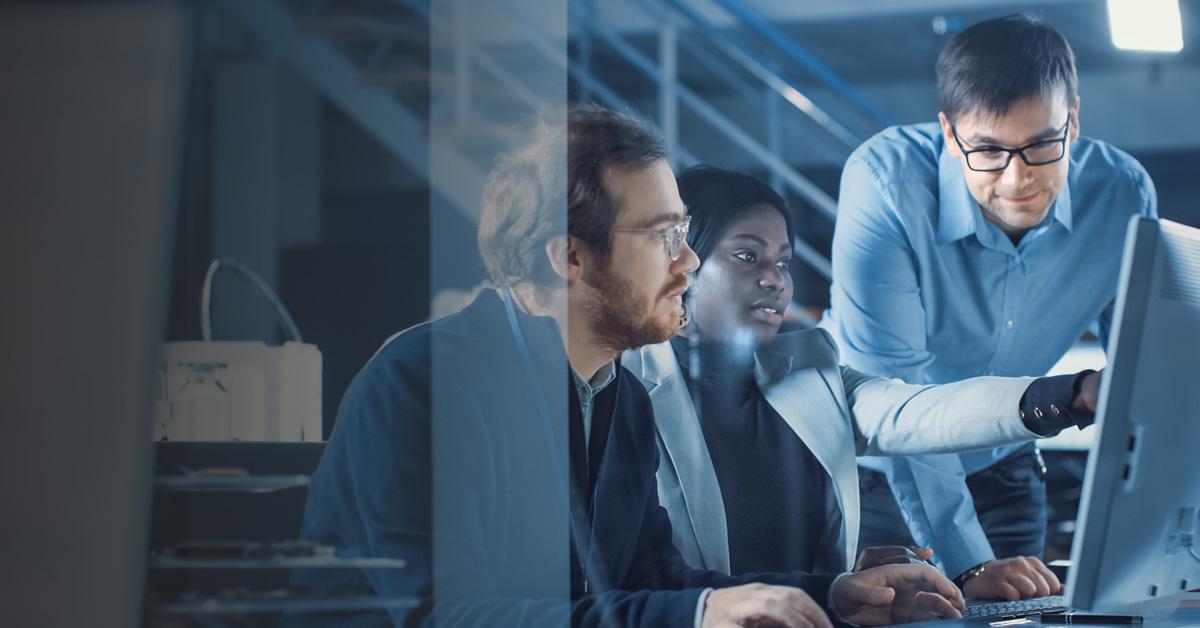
[956, 206]
[959, 215]
[599, 381]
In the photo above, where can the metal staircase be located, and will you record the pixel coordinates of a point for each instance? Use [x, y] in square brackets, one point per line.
[349, 76]
[372, 58]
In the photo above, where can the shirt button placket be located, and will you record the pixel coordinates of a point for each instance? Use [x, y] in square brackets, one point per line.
[1012, 275]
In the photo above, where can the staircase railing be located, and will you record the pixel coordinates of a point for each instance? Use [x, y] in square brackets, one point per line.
[745, 14]
[771, 161]
[726, 53]
[397, 129]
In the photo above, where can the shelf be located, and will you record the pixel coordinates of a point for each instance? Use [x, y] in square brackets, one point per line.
[293, 562]
[200, 483]
[219, 606]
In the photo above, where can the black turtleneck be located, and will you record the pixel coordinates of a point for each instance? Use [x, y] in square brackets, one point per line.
[772, 485]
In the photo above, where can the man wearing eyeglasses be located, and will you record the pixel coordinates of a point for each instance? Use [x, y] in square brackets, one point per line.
[985, 244]
[505, 454]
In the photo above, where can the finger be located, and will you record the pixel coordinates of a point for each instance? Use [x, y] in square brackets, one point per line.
[798, 609]
[1023, 584]
[880, 552]
[776, 618]
[795, 608]
[869, 595]
[933, 580]
[754, 611]
[1043, 587]
[767, 608]
[922, 553]
[1048, 574]
[1008, 592]
[814, 614]
[936, 605]
[951, 592]
[945, 587]
[898, 560]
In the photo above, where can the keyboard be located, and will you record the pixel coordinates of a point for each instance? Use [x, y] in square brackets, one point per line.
[1012, 610]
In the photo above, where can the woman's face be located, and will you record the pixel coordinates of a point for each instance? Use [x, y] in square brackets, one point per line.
[742, 290]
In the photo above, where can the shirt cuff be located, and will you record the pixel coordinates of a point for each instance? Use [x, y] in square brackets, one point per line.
[832, 603]
[700, 607]
[965, 560]
[1045, 407]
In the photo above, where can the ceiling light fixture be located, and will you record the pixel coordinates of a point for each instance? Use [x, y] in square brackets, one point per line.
[1147, 25]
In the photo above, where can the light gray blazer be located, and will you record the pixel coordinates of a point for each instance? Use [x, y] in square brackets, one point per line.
[838, 412]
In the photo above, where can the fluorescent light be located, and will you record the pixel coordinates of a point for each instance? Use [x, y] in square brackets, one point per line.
[1151, 25]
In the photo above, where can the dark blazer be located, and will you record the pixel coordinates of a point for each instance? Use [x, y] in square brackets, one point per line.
[453, 452]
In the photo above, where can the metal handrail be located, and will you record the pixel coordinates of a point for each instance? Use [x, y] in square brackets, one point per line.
[741, 55]
[745, 14]
[777, 166]
[802, 185]
[806, 188]
[810, 192]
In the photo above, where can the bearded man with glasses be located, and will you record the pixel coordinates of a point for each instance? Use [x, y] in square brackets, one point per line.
[984, 244]
[505, 454]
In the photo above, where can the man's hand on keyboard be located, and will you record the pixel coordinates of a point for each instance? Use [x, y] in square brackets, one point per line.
[1012, 579]
[896, 594]
[891, 555]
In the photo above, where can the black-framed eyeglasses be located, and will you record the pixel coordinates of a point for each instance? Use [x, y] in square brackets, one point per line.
[996, 158]
[673, 237]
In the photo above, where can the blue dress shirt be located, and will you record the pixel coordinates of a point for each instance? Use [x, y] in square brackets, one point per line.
[927, 290]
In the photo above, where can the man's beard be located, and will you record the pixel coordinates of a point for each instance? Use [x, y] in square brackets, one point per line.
[620, 320]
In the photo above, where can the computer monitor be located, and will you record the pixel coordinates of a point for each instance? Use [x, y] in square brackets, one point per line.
[1136, 541]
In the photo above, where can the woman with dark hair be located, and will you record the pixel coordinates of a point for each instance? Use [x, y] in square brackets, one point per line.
[758, 430]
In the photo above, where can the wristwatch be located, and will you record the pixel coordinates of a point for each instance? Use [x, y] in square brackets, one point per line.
[970, 573]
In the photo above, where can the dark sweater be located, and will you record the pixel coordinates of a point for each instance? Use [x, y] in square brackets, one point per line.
[450, 453]
[772, 486]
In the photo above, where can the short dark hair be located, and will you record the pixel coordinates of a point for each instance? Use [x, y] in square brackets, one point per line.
[716, 197]
[561, 167]
[601, 139]
[993, 65]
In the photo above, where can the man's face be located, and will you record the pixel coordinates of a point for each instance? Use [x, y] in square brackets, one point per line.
[743, 289]
[1017, 198]
[635, 295]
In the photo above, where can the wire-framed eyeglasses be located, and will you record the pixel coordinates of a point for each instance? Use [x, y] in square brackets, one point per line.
[673, 237]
